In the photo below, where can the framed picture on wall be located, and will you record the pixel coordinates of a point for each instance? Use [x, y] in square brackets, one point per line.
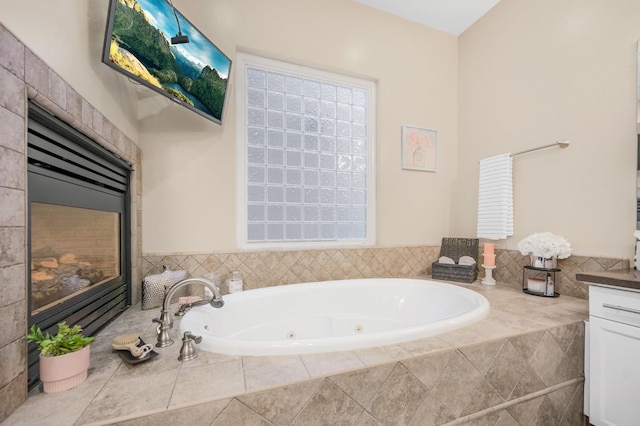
[419, 148]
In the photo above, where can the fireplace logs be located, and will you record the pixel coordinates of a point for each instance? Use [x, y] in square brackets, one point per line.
[56, 277]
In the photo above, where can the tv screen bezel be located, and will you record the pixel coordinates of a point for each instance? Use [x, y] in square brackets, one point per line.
[188, 27]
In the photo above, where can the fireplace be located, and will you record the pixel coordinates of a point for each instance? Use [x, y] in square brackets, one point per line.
[78, 229]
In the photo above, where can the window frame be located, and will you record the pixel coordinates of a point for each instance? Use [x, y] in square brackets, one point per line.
[245, 60]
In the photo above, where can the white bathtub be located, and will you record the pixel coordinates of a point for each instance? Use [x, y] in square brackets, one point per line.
[332, 316]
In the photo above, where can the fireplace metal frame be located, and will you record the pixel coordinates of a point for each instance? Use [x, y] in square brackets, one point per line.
[65, 167]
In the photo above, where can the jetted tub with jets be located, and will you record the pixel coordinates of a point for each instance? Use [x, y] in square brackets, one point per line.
[333, 316]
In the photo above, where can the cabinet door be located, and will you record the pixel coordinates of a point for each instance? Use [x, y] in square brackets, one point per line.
[614, 373]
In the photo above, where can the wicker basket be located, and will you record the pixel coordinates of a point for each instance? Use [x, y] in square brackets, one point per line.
[455, 248]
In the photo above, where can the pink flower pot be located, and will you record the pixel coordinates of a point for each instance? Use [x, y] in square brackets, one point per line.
[63, 372]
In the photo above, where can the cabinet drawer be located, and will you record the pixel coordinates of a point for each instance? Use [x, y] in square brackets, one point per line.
[614, 304]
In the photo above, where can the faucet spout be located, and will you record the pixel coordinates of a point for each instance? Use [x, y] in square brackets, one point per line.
[216, 300]
[165, 322]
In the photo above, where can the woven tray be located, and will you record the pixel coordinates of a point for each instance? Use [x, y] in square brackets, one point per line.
[455, 248]
[459, 273]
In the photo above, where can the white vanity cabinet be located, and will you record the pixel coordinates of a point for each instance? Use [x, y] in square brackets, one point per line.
[614, 356]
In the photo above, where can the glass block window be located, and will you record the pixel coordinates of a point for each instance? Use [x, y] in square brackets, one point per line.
[307, 154]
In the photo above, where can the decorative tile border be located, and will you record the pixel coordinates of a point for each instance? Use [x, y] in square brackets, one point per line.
[269, 268]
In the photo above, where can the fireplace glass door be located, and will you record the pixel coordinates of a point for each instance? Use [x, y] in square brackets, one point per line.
[72, 249]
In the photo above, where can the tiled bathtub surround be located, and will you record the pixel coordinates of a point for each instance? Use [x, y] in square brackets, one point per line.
[267, 268]
[24, 76]
[521, 365]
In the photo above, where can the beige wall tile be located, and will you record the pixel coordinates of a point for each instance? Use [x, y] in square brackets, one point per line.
[12, 94]
[197, 415]
[11, 53]
[431, 412]
[12, 168]
[399, 397]
[13, 359]
[12, 207]
[483, 355]
[12, 128]
[429, 367]
[482, 397]
[548, 360]
[329, 406]
[56, 92]
[36, 72]
[12, 395]
[457, 384]
[362, 385]
[13, 322]
[506, 370]
[281, 405]
[524, 412]
[238, 414]
[12, 279]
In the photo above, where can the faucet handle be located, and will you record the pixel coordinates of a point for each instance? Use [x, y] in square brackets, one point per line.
[189, 335]
[160, 324]
[187, 351]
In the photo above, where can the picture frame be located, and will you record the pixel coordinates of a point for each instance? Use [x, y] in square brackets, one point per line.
[419, 148]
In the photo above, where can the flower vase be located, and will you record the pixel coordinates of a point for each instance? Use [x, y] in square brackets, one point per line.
[543, 262]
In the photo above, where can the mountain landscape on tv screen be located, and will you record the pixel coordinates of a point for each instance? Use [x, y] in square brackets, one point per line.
[144, 51]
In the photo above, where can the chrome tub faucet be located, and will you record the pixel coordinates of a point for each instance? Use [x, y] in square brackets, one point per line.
[165, 321]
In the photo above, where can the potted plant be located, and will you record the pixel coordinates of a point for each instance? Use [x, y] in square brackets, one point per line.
[64, 357]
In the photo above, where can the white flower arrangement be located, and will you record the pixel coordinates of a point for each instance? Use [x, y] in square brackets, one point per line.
[545, 245]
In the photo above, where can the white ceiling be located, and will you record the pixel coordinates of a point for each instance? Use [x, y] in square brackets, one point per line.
[450, 16]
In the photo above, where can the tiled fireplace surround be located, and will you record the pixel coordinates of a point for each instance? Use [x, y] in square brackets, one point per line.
[24, 76]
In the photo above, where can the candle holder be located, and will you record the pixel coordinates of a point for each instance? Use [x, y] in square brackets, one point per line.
[488, 275]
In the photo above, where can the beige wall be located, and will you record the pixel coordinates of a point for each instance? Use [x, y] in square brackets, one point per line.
[533, 72]
[190, 176]
[189, 179]
[529, 73]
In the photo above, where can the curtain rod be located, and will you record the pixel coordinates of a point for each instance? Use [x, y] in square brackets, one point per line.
[561, 144]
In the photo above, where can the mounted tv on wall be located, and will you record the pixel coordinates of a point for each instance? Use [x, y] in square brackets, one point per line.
[152, 43]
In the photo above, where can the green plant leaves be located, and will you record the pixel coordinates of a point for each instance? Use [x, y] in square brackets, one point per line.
[68, 339]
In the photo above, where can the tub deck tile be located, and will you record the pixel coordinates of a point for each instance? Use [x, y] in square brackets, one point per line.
[381, 354]
[268, 372]
[425, 346]
[208, 382]
[323, 365]
[125, 396]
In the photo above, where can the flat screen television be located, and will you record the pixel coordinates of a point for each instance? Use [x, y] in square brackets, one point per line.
[152, 43]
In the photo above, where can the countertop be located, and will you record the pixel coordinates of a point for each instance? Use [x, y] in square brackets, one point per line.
[624, 278]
